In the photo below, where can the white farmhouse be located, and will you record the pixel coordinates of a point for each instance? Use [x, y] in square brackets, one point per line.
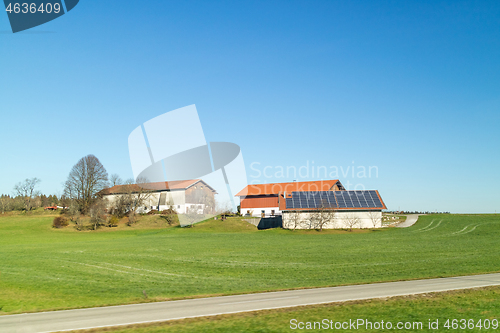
[181, 195]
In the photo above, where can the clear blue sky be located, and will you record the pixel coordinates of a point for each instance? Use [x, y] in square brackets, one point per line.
[411, 87]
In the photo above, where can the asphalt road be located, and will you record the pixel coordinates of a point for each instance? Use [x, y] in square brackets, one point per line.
[162, 311]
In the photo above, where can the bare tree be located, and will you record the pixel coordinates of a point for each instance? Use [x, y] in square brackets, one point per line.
[5, 203]
[87, 177]
[351, 221]
[115, 179]
[132, 198]
[221, 207]
[375, 218]
[139, 194]
[323, 215]
[97, 213]
[170, 214]
[26, 190]
[294, 219]
[331, 216]
[74, 213]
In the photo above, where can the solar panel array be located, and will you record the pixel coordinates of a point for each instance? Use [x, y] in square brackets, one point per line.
[334, 199]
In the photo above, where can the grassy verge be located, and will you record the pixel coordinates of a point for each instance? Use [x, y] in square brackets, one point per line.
[477, 304]
[46, 269]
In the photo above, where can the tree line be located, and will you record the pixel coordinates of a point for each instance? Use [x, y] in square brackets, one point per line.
[10, 203]
[81, 193]
[84, 202]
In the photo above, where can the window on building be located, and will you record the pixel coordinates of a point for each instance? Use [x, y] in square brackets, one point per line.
[272, 212]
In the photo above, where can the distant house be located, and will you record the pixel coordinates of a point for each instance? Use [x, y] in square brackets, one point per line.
[181, 195]
[312, 205]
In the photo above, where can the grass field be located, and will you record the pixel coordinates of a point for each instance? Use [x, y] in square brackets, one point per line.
[477, 304]
[45, 269]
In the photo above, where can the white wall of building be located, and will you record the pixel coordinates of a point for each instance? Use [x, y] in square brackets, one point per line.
[340, 220]
[177, 198]
[256, 212]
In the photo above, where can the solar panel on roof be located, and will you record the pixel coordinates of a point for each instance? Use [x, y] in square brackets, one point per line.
[335, 199]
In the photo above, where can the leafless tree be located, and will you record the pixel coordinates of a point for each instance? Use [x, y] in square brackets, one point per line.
[74, 213]
[323, 215]
[221, 207]
[133, 197]
[115, 179]
[375, 218]
[170, 214]
[26, 190]
[294, 219]
[131, 218]
[97, 213]
[5, 203]
[87, 177]
[351, 221]
[140, 195]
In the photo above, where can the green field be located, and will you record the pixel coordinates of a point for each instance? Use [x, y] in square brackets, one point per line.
[477, 304]
[44, 269]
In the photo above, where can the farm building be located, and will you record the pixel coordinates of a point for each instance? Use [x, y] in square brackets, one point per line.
[314, 205]
[181, 195]
[263, 199]
[332, 210]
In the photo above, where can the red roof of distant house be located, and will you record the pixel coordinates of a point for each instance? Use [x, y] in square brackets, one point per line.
[276, 188]
[158, 186]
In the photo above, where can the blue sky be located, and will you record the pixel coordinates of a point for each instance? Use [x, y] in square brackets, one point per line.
[411, 88]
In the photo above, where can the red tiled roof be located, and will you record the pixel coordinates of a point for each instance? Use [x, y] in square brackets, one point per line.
[275, 188]
[158, 186]
[258, 202]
